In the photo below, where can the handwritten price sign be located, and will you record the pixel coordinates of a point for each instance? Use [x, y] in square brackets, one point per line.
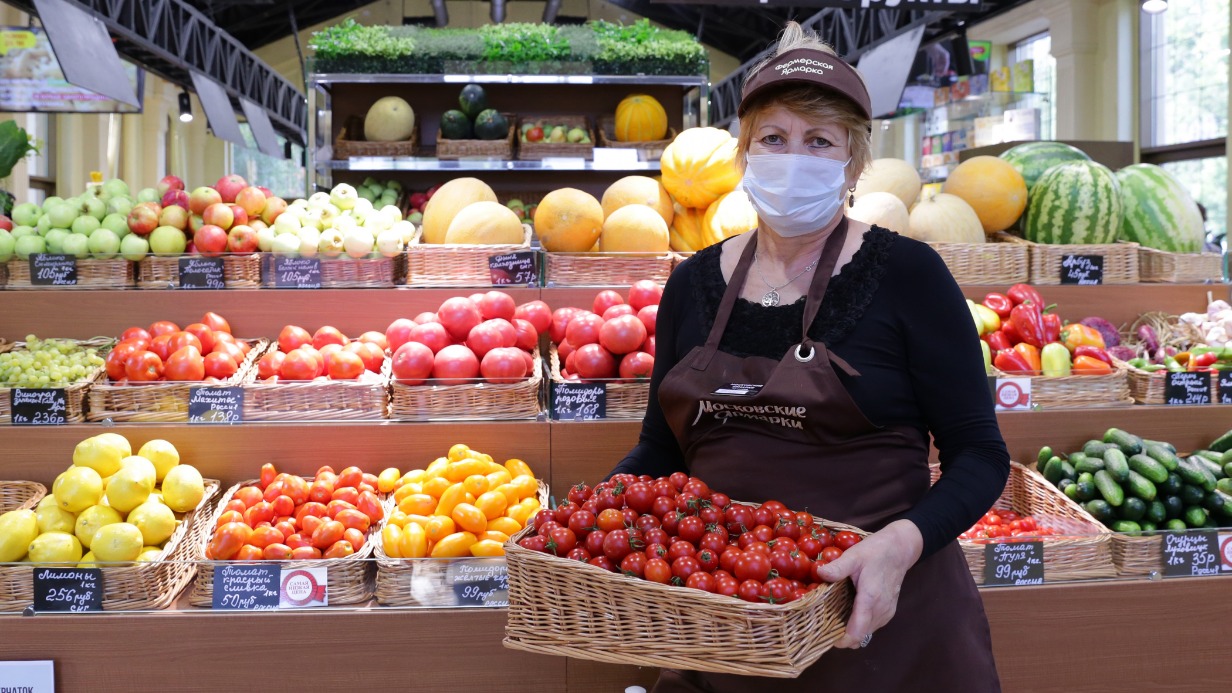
[38, 406]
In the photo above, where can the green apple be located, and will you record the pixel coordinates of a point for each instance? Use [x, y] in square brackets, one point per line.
[7, 244]
[393, 185]
[77, 245]
[265, 238]
[120, 205]
[366, 194]
[26, 214]
[29, 245]
[287, 223]
[43, 225]
[168, 240]
[286, 244]
[134, 248]
[92, 206]
[51, 202]
[309, 239]
[54, 240]
[62, 215]
[117, 223]
[369, 181]
[85, 225]
[115, 188]
[342, 196]
[19, 231]
[104, 243]
[148, 195]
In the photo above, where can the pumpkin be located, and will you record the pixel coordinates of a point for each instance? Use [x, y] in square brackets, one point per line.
[699, 166]
[640, 118]
[945, 218]
[730, 215]
[448, 200]
[485, 223]
[634, 229]
[638, 190]
[568, 220]
[893, 176]
[993, 188]
[686, 235]
[882, 209]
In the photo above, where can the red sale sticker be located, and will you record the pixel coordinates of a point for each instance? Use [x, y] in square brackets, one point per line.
[1225, 551]
[303, 587]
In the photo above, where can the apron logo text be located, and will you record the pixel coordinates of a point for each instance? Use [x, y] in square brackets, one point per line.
[788, 417]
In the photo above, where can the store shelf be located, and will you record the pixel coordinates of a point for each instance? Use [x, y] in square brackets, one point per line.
[427, 164]
[326, 79]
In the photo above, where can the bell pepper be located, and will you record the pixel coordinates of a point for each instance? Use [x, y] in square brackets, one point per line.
[1089, 365]
[1076, 334]
[1052, 327]
[992, 321]
[1007, 328]
[1030, 354]
[999, 340]
[1202, 361]
[1010, 361]
[987, 357]
[1093, 352]
[1138, 362]
[1028, 322]
[1054, 360]
[976, 317]
[1182, 357]
[999, 304]
[1173, 365]
[1021, 293]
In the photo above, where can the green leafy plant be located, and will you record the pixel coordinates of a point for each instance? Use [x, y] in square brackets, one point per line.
[15, 144]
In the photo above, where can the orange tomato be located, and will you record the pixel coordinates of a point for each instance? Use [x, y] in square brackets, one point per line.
[371, 479]
[283, 506]
[321, 491]
[504, 525]
[236, 505]
[298, 540]
[490, 535]
[264, 536]
[297, 488]
[525, 485]
[476, 484]
[311, 508]
[276, 552]
[499, 477]
[487, 547]
[287, 527]
[339, 549]
[227, 540]
[354, 537]
[454, 545]
[248, 552]
[309, 524]
[391, 537]
[228, 516]
[351, 476]
[469, 518]
[388, 480]
[366, 487]
[517, 468]
[349, 494]
[249, 495]
[305, 553]
[268, 472]
[354, 519]
[493, 504]
[275, 489]
[262, 511]
[336, 507]
[436, 486]
[439, 527]
[417, 504]
[458, 471]
[452, 496]
[414, 542]
[329, 532]
[370, 505]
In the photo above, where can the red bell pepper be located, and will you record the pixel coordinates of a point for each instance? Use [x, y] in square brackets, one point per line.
[1021, 293]
[1007, 328]
[999, 304]
[1052, 328]
[1203, 361]
[1030, 354]
[1093, 352]
[999, 340]
[1010, 361]
[1028, 322]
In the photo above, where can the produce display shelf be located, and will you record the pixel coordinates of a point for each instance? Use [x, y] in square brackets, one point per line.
[421, 163]
[326, 78]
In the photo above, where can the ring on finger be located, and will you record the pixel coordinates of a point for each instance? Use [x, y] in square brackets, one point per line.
[867, 639]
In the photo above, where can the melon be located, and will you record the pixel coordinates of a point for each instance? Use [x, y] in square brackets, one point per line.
[699, 166]
[486, 223]
[685, 235]
[993, 188]
[894, 176]
[945, 218]
[1074, 202]
[390, 119]
[568, 220]
[1033, 158]
[1157, 212]
[881, 209]
[640, 118]
[730, 215]
[634, 229]
[448, 200]
[638, 190]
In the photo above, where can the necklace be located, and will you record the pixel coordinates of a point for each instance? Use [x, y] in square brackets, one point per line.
[771, 297]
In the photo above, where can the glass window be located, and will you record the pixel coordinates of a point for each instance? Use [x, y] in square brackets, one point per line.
[285, 177]
[1184, 70]
[1207, 181]
[1039, 49]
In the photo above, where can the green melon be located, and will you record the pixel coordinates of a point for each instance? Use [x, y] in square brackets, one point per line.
[1033, 158]
[491, 125]
[1072, 203]
[473, 100]
[1157, 211]
[456, 126]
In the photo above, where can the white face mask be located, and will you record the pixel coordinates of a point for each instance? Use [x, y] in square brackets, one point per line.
[795, 194]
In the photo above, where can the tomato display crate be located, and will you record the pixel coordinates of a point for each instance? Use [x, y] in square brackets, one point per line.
[312, 400]
[1148, 387]
[92, 273]
[544, 149]
[454, 264]
[475, 400]
[346, 149]
[349, 273]
[130, 587]
[21, 495]
[238, 271]
[606, 269]
[994, 262]
[625, 400]
[349, 581]
[1120, 260]
[479, 149]
[1083, 552]
[650, 150]
[1077, 391]
[1157, 266]
[571, 609]
[74, 393]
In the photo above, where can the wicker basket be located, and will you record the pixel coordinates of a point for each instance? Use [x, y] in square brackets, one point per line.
[479, 149]
[1179, 268]
[1080, 391]
[1137, 554]
[441, 264]
[22, 495]
[606, 269]
[141, 586]
[91, 273]
[157, 402]
[1120, 260]
[350, 578]
[649, 150]
[313, 400]
[74, 394]
[1148, 387]
[238, 272]
[625, 400]
[994, 262]
[479, 400]
[544, 149]
[347, 149]
[566, 608]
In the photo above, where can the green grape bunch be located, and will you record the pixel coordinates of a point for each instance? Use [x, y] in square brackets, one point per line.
[48, 363]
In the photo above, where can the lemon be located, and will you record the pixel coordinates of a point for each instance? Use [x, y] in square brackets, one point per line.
[120, 442]
[148, 470]
[102, 453]
[17, 529]
[150, 554]
[183, 488]
[92, 519]
[117, 542]
[129, 488]
[162, 454]
[53, 518]
[55, 547]
[78, 488]
[87, 561]
[155, 520]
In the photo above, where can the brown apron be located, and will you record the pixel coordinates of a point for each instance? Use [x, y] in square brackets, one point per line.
[801, 439]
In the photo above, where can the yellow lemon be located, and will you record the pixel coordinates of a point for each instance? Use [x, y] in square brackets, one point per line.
[162, 454]
[155, 520]
[147, 468]
[17, 529]
[87, 561]
[78, 488]
[118, 542]
[102, 453]
[183, 488]
[129, 488]
[53, 518]
[150, 554]
[55, 547]
[92, 519]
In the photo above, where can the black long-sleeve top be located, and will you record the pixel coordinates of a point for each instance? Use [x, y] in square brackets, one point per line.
[898, 317]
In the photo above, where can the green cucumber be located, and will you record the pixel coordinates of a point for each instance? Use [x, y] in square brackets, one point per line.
[1163, 455]
[1126, 527]
[1087, 464]
[1148, 526]
[1173, 506]
[1176, 525]
[1162, 443]
[1156, 512]
[1085, 490]
[1132, 509]
[1213, 467]
[1223, 443]
[1219, 503]
[1100, 510]
[1149, 468]
[1045, 454]
[1195, 516]
[1172, 485]
[1224, 485]
[1116, 465]
[1086, 476]
[1208, 477]
[1191, 474]
[1096, 448]
[1227, 469]
[1226, 458]
[1109, 488]
[1129, 443]
[1209, 454]
[1053, 471]
[1068, 470]
[1192, 495]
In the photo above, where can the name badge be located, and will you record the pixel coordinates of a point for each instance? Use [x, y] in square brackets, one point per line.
[738, 390]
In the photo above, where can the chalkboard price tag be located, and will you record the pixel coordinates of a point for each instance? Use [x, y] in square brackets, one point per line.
[1225, 387]
[1011, 563]
[53, 270]
[68, 589]
[1186, 554]
[201, 273]
[216, 405]
[38, 406]
[247, 587]
[1086, 270]
[1188, 388]
[579, 401]
[297, 272]
[513, 269]
[479, 581]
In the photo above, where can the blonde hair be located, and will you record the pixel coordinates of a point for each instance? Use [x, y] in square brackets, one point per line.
[808, 102]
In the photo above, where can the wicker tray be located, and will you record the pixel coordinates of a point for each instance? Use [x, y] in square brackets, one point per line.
[1078, 391]
[141, 586]
[478, 400]
[479, 149]
[566, 608]
[1120, 260]
[994, 262]
[91, 273]
[75, 393]
[625, 400]
[238, 271]
[313, 400]
[346, 149]
[545, 149]
[22, 495]
[649, 150]
[348, 273]
[606, 269]
[1179, 268]
[452, 264]
[1148, 387]
[350, 578]
[157, 402]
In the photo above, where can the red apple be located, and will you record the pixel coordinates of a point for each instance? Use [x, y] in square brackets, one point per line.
[6, 223]
[143, 218]
[418, 200]
[266, 191]
[175, 197]
[273, 207]
[169, 183]
[242, 239]
[210, 240]
[219, 214]
[174, 215]
[195, 222]
[252, 200]
[201, 198]
[432, 191]
[229, 186]
[241, 216]
[257, 225]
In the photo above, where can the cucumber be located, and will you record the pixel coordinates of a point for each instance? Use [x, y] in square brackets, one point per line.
[1156, 512]
[1173, 507]
[1068, 470]
[1172, 485]
[1085, 490]
[1044, 455]
[1162, 443]
[1126, 527]
[1227, 469]
[1087, 464]
[1163, 455]
[1209, 454]
[1192, 495]
[1100, 510]
[1195, 516]
[1133, 509]
[1191, 474]
[1208, 477]
[1149, 468]
[1096, 448]
[1176, 525]
[1213, 467]
[1086, 476]
[1109, 488]
[1223, 443]
[1226, 458]
[1224, 485]
[1116, 465]
[1129, 443]
[1148, 526]
[1071, 492]
[1053, 471]
[1222, 505]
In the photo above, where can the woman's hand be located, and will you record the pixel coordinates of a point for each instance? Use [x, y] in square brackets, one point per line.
[876, 567]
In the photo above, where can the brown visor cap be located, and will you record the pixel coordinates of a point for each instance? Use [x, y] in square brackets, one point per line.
[809, 66]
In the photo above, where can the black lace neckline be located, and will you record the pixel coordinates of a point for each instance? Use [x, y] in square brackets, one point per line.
[757, 330]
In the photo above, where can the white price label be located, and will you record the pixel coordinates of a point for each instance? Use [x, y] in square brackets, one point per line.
[36, 676]
[1013, 394]
[615, 158]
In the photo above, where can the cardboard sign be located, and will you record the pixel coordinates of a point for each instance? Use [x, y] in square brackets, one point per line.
[201, 273]
[518, 268]
[1082, 269]
[1191, 553]
[53, 270]
[579, 401]
[1187, 388]
[1225, 387]
[38, 406]
[1012, 563]
[1013, 394]
[35, 676]
[247, 587]
[304, 587]
[479, 581]
[216, 405]
[297, 272]
[68, 589]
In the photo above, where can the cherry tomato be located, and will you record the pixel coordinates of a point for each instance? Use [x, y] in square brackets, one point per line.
[579, 493]
[727, 558]
[739, 518]
[534, 542]
[594, 542]
[640, 497]
[709, 560]
[701, 580]
[713, 541]
[647, 522]
[726, 586]
[611, 520]
[671, 522]
[782, 544]
[603, 562]
[582, 522]
[656, 536]
[542, 516]
[656, 551]
[680, 549]
[561, 541]
[829, 554]
[783, 565]
[752, 566]
[765, 516]
[711, 515]
[634, 564]
[662, 505]
[564, 511]
[762, 533]
[750, 591]
[846, 540]
[684, 566]
[691, 529]
[658, 570]
[787, 528]
[579, 553]
[778, 591]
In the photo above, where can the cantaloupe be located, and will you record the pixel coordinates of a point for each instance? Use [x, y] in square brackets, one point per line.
[993, 188]
[685, 235]
[730, 215]
[634, 229]
[881, 209]
[485, 223]
[569, 220]
[448, 200]
[699, 166]
[893, 176]
[638, 190]
[945, 218]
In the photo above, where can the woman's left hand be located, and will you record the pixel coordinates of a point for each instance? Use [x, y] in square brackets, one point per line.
[876, 567]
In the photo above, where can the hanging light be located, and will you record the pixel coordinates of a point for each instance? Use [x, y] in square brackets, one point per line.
[186, 114]
[1154, 6]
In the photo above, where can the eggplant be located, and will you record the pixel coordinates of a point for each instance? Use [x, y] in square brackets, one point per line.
[1106, 330]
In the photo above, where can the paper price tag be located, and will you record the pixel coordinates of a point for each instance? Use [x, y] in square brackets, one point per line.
[53, 270]
[1011, 563]
[247, 587]
[297, 272]
[579, 401]
[35, 676]
[1187, 388]
[38, 406]
[304, 587]
[615, 158]
[512, 269]
[1082, 269]
[1013, 394]
[75, 590]
[564, 163]
[216, 405]
[1186, 554]
[201, 273]
[479, 581]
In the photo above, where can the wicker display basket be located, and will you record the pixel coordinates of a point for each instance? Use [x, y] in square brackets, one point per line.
[1137, 554]
[569, 150]
[649, 150]
[1120, 260]
[312, 400]
[74, 393]
[140, 586]
[606, 269]
[1147, 387]
[625, 400]
[92, 273]
[157, 402]
[20, 495]
[452, 264]
[994, 262]
[1157, 266]
[238, 272]
[478, 400]
[502, 149]
[1079, 391]
[350, 578]
[570, 609]
[349, 273]
[348, 149]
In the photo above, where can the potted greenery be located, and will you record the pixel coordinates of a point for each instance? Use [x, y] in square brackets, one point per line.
[15, 144]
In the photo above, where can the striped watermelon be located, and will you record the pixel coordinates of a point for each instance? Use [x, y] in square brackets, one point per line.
[1033, 158]
[1157, 211]
[1075, 202]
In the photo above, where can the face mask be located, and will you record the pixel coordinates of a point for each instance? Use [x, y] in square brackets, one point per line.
[795, 194]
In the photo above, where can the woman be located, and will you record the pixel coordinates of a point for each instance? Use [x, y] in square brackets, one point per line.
[834, 420]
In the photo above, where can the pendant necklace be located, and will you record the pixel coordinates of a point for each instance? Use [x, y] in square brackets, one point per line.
[771, 297]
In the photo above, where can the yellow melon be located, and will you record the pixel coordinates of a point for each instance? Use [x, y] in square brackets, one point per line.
[730, 215]
[699, 166]
[450, 199]
[485, 223]
[638, 190]
[640, 118]
[685, 235]
[634, 229]
[568, 221]
[993, 188]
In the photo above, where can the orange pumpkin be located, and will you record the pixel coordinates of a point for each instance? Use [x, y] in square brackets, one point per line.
[699, 166]
[568, 220]
[640, 118]
[993, 188]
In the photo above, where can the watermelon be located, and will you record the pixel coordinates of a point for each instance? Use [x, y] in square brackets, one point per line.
[1033, 158]
[1157, 211]
[1074, 202]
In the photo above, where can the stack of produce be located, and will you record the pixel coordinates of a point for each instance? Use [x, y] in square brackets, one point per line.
[466, 211]
[48, 363]
[474, 120]
[204, 351]
[544, 130]
[614, 339]
[700, 174]
[339, 223]
[1007, 525]
[1157, 342]
[326, 354]
[1020, 338]
[633, 217]
[91, 225]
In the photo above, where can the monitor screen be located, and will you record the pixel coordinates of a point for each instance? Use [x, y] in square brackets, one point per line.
[31, 79]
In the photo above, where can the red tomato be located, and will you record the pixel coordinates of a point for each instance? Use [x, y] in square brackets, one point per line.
[220, 365]
[649, 315]
[116, 358]
[679, 548]
[649, 345]
[328, 335]
[691, 529]
[622, 335]
[684, 566]
[584, 329]
[656, 536]
[185, 364]
[374, 337]
[276, 552]
[582, 522]
[702, 581]
[537, 313]
[304, 553]
[618, 544]
[739, 518]
[233, 349]
[370, 353]
[269, 365]
[787, 528]
[229, 516]
[713, 541]
[164, 327]
[762, 533]
[487, 336]
[329, 532]
[658, 570]
[637, 365]
[579, 493]
[344, 365]
[606, 299]
[778, 591]
[143, 366]
[579, 554]
[752, 565]
[644, 293]
[634, 564]
[708, 560]
[136, 333]
[248, 552]
[350, 477]
[339, 549]
[352, 518]
[618, 310]
[293, 337]
[497, 304]
[830, 553]
[504, 365]
[459, 316]
[179, 340]
[846, 540]
[527, 335]
[370, 505]
[264, 536]
[678, 479]
[432, 335]
[656, 550]
[203, 334]
[750, 591]
[727, 558]
[603, 562]
[594, 542]
[398, 333]
[412, 363]
[561, 318]
[726, 586]
[216, 322]
[298, 365]
[640, 497]
[561, 540]
[354, 537]
[594, 362]
[455, 365]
